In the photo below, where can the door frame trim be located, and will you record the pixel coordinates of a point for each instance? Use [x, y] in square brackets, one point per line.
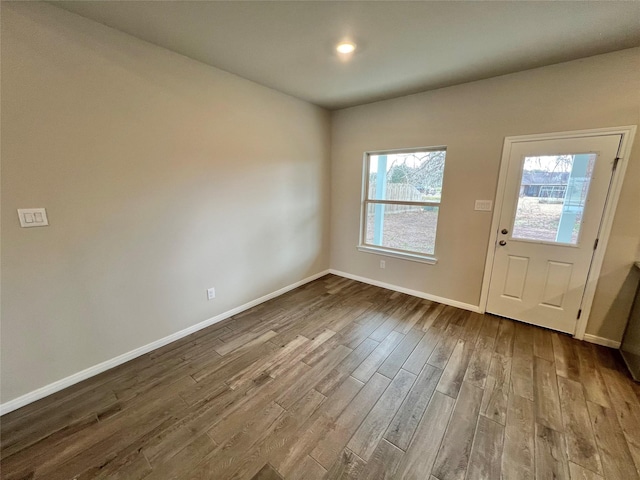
[628, 133]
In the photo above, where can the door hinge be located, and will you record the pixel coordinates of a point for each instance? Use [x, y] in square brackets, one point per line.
[595, 244]
[579, 313]
[615, 163]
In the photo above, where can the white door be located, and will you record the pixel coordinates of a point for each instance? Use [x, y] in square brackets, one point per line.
[550, 216]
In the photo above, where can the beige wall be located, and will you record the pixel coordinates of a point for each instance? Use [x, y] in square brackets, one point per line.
[161, 177]
[472, 121]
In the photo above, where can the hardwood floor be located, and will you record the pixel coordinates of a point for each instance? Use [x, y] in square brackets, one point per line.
[338, 379]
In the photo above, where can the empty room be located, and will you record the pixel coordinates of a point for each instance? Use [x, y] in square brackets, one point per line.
[311, 240]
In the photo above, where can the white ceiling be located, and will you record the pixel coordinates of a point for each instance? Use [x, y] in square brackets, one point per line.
[403, 47]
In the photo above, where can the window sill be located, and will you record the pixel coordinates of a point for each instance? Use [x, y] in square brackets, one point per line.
[405, 256]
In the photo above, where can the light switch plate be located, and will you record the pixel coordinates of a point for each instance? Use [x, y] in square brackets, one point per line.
[484, 205]
[33, 217]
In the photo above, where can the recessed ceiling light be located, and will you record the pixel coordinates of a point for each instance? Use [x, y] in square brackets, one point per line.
[345, 47]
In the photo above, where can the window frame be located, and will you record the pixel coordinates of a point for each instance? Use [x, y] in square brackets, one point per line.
[365, 247]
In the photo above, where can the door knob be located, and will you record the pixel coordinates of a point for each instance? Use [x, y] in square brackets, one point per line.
[502, 243]
[504, 231]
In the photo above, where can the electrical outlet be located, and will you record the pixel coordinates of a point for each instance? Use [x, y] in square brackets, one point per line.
[211, 293]
[382, 264]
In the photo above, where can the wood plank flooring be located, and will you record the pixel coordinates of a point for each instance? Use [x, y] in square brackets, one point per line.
[342, 380]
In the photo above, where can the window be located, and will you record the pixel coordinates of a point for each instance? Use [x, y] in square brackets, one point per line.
[401, 201]
[553, 195]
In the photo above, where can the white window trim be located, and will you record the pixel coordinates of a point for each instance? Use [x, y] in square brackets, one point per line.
[386, 251]
[398, 254]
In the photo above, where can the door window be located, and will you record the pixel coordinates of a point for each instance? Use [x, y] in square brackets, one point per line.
[552, 197]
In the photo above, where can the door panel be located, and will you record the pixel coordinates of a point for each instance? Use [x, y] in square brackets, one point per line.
[549, 220]
[556, 283]
[515, 277]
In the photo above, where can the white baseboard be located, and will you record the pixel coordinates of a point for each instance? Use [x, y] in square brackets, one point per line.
[54, 387]
[605, 342]
[415, 293]
[61, 384]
